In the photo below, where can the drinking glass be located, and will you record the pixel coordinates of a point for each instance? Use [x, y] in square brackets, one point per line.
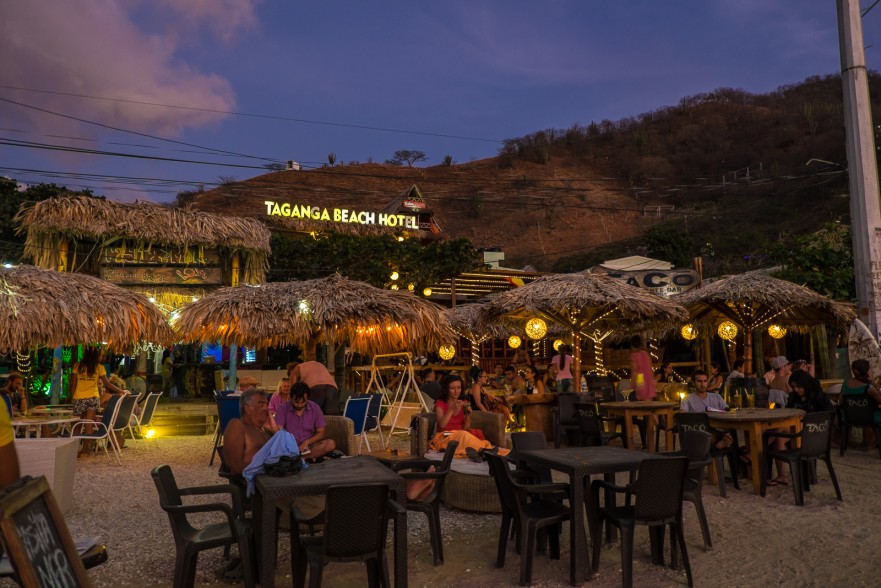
[738, 400]
[751, 399]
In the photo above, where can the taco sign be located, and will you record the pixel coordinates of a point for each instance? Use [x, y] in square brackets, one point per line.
[341, 215]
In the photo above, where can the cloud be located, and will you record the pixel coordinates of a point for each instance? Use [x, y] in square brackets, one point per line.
[96, 48]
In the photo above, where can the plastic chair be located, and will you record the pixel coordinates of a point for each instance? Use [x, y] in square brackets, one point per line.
[356, 410]
[123, 419]
[430, 505]
[530, 509]
[146, 418]
[355, 529]
[591, 424]
[373, 412]
[658, 492]
[696, 447]
[858, 411]
[102, 427]
[190, 540]
[228, 408]
[526, 441]
[816, 444]
[564, 419]
[699, 421]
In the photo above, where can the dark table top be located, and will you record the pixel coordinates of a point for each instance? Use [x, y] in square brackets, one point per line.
[318, 477]
[756, 415]
[587, 460]
[639, 404]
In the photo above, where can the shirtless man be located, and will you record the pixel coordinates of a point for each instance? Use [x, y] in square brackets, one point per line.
[244, 437]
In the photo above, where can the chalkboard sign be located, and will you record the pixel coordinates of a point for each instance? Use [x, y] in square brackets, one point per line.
[36, 537]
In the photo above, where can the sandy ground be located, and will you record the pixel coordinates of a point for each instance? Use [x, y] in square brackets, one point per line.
[756, 541]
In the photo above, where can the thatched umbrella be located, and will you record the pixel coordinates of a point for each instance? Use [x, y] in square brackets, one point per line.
[755, 300]
[50, 308]
[333, 309]
[583, 303]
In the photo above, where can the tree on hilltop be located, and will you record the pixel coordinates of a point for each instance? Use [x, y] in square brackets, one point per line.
[407, 156]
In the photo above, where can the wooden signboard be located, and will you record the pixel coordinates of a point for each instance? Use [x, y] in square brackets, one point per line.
[167, 276]
[36, 537]
[123, 254]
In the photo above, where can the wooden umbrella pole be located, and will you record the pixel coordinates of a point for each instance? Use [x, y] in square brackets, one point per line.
[576, 360]
[748, 352]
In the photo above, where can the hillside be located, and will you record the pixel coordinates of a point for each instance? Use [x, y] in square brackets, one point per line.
[728, 171]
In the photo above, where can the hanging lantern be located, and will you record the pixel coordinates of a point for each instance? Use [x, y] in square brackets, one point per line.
[727, 330]
[536, 329]
[447, 352]
[427, 292]
[777, 331]
[557, 344]
[688, 332]
[514, 341]
[394, 276]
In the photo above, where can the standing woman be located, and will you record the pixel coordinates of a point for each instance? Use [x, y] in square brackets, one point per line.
[84, 380]
[642, 376]
[563, 362]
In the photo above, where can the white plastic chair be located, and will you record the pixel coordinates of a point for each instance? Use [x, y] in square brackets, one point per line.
[102, 427]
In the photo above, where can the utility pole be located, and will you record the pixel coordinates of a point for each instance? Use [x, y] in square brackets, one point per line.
[862, 168]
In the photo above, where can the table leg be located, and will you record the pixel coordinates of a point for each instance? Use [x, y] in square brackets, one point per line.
[755, 453]
[628, 429]
[650, 426]
[266, 535]
[579, 558]
[401, 539]
[670, 442]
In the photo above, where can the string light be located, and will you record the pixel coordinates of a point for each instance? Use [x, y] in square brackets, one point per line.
[24, 363]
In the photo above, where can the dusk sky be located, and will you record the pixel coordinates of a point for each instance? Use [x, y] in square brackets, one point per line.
[250, 82]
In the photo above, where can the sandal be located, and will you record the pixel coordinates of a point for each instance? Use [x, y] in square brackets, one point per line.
[782, 481]
[773, 482]
[473, 455]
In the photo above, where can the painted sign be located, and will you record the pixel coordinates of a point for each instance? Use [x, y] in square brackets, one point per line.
[340, 215]
[662, 282]
[187, 276]
[123, 254]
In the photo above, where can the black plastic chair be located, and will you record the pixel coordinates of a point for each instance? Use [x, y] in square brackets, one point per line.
[189, 540]
[858, 411]
[526, 441]
[700, 421]
[816, 444]
[529, 507]
[355, 529]
[591, 424]
[564, 419]
[658, 491]
[430, 505]
[695, 445]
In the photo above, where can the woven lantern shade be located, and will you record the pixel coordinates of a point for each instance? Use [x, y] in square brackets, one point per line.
[557, 344]
[447, 352]
[727, 330]
[536, 329]
[688, 332]
[514, 341]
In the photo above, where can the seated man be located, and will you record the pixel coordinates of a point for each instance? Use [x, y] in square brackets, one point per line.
[305, 421]
[701, 401]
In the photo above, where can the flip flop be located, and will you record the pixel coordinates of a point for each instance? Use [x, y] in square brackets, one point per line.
[772, 483]
[782, 482]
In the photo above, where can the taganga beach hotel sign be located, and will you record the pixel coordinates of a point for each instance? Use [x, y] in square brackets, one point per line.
[394, 220]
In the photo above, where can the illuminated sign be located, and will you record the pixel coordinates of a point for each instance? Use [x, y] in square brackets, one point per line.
[341, 215]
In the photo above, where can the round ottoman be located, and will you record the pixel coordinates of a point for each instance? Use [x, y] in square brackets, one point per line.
[470, 487]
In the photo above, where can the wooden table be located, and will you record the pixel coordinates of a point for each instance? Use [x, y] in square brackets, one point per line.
[580, 463]
[753, 422]
[643, 408]
[273, 492]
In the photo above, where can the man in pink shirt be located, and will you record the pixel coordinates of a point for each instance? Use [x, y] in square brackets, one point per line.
[322, 386]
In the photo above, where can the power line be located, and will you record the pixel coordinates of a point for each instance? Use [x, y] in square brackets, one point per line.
[263, 116]
[121, 130]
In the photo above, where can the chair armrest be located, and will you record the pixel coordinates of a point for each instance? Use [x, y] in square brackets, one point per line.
[234, 491]
[82, 424]
[597, 484]
[423, 475]
[539, 489]
[210, 507]
[524, 474]
[422, 463]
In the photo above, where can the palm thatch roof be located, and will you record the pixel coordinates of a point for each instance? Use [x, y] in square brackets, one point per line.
[41, 307]
[333, 309]
[585, 302]
[51, 221]
[755, 299]
[465, 320]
